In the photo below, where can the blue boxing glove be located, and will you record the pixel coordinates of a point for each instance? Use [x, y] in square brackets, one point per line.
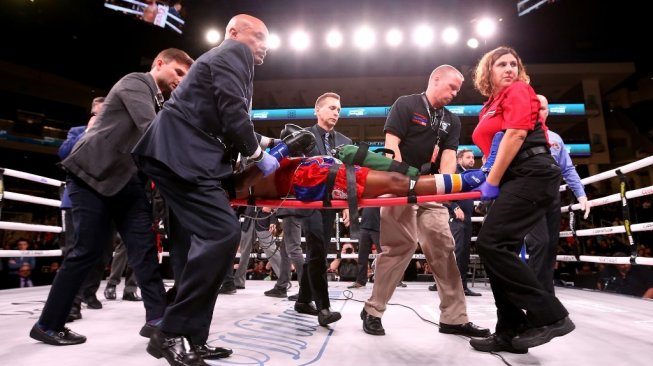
[267, 164]
[488, 191]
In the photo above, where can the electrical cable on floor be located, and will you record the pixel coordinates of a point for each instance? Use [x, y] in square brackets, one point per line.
[350, 296]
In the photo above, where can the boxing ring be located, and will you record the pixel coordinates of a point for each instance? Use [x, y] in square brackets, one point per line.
[611, 329]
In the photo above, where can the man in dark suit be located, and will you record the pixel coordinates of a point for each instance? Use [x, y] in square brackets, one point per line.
[318, 224]
[209, 113]
[106, 189]
[460, 222]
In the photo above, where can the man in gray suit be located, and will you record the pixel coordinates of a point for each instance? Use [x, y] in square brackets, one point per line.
[188, 152]
[106, 189]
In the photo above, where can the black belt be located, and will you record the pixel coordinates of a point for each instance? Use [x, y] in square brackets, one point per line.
[530, 152]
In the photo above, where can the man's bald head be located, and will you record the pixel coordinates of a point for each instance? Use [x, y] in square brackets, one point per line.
[252, 32]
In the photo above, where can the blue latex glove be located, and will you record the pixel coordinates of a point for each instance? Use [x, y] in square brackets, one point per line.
[268, 164]
[488, 191]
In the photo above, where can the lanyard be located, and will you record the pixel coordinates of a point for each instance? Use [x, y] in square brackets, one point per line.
[433, 118]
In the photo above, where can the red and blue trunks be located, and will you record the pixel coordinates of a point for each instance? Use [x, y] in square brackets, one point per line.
[306, 178]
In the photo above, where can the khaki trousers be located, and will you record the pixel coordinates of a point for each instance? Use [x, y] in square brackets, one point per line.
[402, 227]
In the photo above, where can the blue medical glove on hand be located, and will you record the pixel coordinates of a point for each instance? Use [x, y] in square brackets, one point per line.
[488, 191]
[268, 164]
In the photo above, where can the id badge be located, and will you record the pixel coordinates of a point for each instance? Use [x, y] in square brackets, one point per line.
[436, 151]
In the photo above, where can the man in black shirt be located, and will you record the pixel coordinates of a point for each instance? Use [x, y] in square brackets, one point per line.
[423, 134]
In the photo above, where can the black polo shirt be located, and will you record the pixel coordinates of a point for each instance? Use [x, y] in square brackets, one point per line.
[410, 120]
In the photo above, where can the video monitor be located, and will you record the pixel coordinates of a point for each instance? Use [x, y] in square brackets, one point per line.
[164, 14]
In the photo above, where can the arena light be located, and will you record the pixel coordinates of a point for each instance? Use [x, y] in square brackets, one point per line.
[472, 43]
[450, 35]
[299, 40]
[213, 36]
[394, 37]
[486, 27]
[334, 39]
[423, 35]
[274, 41]
[364, 38]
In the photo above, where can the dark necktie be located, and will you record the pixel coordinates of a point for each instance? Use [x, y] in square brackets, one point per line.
[327, 145]
[159, 101]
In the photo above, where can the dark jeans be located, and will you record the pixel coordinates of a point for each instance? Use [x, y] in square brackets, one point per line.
[462, 235]
[94, 216]
[528, 191]
[205, 213]
[367, 237]
[313, 285]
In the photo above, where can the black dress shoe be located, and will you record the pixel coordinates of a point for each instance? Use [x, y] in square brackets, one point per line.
[92, 302]
[110, 292]
[469, 292]
[495, 343]
[433, 287]
[372, 324]
[227, 289]
[468, 329]
[75, 314]
[147, 330]
[240, 287]
[175, 349]
[538, 336]
[306, 308]
[64, 337]
[293, 297]
[212, 353]
[276, 291]
[326, 317]
[131, 296]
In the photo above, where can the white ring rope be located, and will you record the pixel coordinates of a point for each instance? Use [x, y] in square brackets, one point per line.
[31, 199]
[7, 225]
[30, 253]
[613, 173]
[613, 198]
[32, 177]
[645, 226]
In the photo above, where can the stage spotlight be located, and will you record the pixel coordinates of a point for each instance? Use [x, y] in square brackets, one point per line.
[213, 36]
[364, 38]
[486, 27]
[450, 35]
[423, 35]
[274, 42]
[472, 43]
[334, 39]
[394, 37]
[299, 40]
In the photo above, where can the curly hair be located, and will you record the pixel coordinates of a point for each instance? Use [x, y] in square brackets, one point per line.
[483, 72]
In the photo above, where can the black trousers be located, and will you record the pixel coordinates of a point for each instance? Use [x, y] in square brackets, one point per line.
[528, 191]
[313, 285]
[542, 245]
[462, 235]
[367, 237]
[94, 216]
[205, 212]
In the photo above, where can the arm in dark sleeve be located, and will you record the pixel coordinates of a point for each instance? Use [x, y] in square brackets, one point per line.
[398, 119]
[231, 76]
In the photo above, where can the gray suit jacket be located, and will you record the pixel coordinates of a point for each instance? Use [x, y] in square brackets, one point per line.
[102, 157]
[207, 117]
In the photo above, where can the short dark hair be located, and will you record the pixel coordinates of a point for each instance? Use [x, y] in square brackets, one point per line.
[324, 96]
[462, 152]
[174, 54]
